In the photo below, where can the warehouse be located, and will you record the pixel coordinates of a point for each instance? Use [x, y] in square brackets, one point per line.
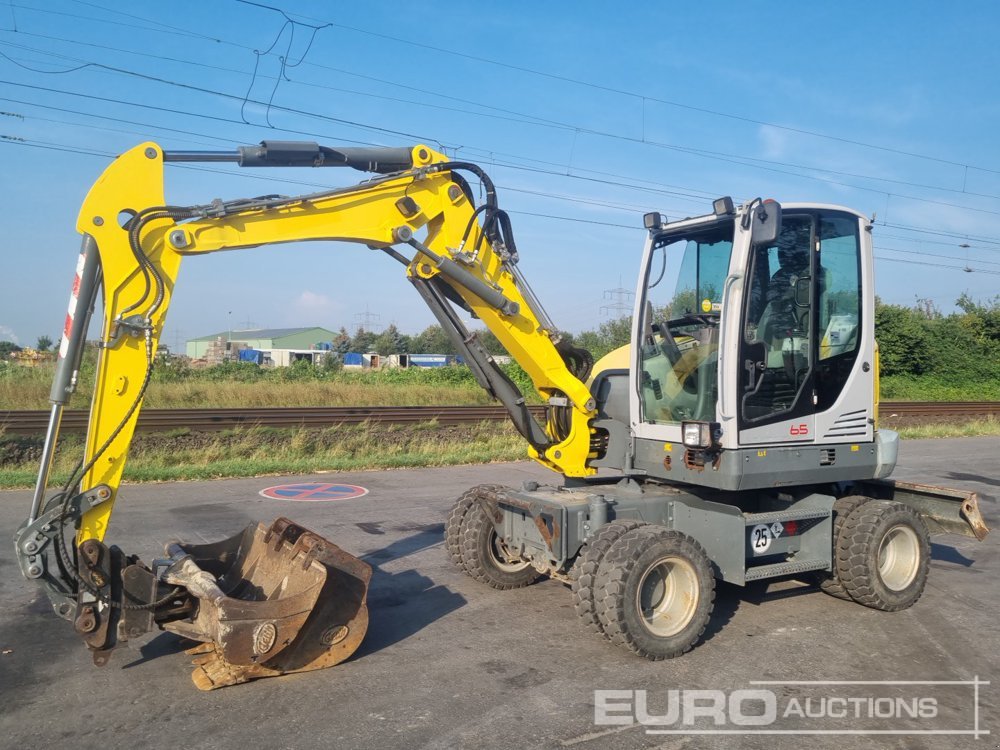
[279, 346]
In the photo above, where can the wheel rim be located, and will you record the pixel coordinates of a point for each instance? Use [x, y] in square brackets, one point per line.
[667, 596]
[899, 557]
[499, 553]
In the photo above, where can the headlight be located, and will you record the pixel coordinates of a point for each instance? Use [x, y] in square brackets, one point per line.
[697, 434]
[704, 435]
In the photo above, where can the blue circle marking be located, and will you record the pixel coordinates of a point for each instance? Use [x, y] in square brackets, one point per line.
[314, 492]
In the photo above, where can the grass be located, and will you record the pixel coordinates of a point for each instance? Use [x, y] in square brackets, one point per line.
[258, 451]
[235, 384]
[181, 454]
[989, 426]
[933, 388]
[192, 394]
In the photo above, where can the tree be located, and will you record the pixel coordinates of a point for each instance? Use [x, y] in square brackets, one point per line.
[615, 333]
[590, 341]
[903, 339]
[363, 341]
[982, 319]
[432, 340]
[44, 343]
[342, 342]
[609, 336]
[391, 341]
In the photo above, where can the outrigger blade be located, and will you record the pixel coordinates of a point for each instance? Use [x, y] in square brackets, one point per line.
[268, 602]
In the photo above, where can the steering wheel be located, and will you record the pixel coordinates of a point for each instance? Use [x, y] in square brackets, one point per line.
[668, 346]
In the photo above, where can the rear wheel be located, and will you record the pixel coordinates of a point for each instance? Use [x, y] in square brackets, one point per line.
[587, 566]
[487, 559]
[655, 592]
[829, 583]
[883, 555]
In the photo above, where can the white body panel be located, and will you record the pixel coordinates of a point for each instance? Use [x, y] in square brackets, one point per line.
[849, 419]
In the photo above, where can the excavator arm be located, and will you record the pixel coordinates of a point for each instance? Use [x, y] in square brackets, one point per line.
[419, 210]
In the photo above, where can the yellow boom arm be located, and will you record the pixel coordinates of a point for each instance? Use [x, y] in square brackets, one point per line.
[455, 257]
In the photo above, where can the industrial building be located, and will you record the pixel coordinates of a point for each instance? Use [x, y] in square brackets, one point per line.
[277, 346]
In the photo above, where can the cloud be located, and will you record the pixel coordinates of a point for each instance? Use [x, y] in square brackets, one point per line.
[775, 143]
[314, 305]
[7, 334]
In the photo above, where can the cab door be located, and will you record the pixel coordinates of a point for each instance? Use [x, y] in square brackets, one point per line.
[800, 331]
[776, 395]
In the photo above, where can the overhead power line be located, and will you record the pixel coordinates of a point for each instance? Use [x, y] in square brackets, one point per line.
[507, 114]
[697, 196]
[5, 139]
[937, 265]
[351, 123]
[642, 97]
[163, 27]
[651, 187]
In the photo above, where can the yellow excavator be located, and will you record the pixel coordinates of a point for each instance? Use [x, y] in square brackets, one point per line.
[737, 433]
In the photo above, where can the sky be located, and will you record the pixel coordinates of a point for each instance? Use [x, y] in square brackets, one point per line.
[586, 115]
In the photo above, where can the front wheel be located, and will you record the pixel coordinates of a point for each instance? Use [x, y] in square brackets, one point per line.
[453, 526]
[487, 559]
[654, 592]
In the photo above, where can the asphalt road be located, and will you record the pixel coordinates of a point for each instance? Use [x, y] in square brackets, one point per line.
[449, 663]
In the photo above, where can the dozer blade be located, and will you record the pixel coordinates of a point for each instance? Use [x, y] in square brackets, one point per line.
[270, 601]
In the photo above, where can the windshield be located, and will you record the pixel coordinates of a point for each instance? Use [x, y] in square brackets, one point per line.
[680, 325]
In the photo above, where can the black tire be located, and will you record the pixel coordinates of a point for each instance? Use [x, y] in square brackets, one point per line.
[883, 555]
[584, 573]
[481, 555]
[644, 557]
[829, 583]
[453, 526]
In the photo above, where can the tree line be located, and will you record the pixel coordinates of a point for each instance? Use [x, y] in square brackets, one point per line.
[919, 340]
[914, 340]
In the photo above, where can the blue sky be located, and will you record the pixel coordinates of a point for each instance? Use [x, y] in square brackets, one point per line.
[585, 117]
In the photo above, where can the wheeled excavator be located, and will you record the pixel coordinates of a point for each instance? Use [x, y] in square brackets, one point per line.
[736, 438]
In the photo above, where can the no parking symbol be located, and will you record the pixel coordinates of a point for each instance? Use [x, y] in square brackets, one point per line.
[314, 492]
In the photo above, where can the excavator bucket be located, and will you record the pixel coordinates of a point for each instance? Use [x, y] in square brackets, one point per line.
[269, 601]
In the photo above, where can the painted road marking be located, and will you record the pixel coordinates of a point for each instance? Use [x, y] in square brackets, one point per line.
[314, 492]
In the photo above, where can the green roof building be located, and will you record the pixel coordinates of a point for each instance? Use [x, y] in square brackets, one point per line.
[265, 339]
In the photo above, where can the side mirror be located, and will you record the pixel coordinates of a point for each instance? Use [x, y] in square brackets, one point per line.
[765, 223]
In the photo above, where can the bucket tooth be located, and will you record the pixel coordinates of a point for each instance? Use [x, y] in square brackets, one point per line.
[270, 601]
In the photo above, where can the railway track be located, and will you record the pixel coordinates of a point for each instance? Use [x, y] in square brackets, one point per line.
[207, 420]
[160, 420]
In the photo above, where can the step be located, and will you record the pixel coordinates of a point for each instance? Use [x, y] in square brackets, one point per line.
[799, 514]
[759, 572]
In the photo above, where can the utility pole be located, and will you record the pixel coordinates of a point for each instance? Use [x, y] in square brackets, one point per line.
[369, 321]
[620, 303]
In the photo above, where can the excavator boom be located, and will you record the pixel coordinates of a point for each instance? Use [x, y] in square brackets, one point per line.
[276, 599]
